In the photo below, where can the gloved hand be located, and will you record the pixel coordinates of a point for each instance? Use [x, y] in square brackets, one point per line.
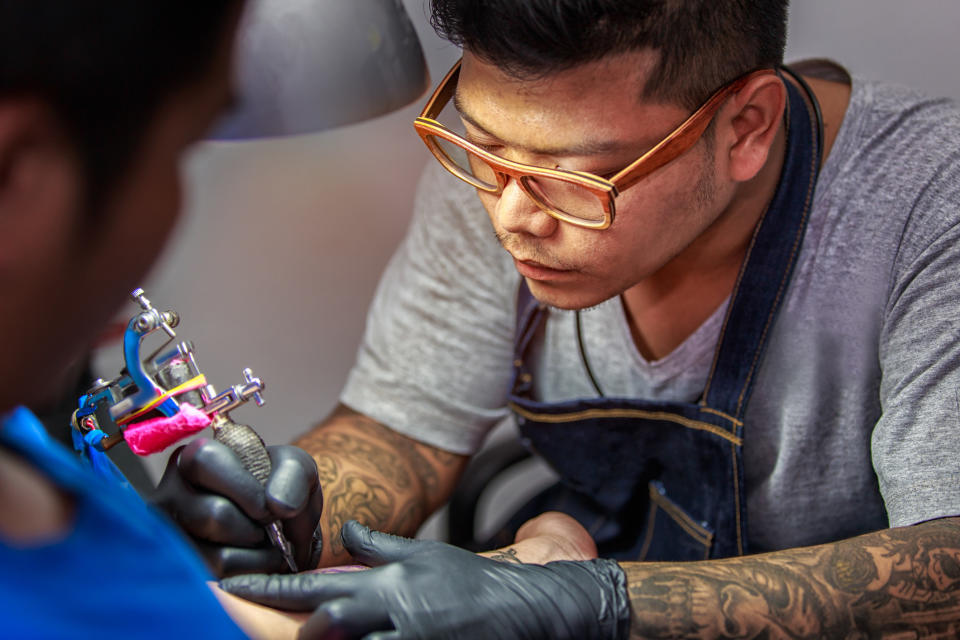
[428, 589]
[217, 502]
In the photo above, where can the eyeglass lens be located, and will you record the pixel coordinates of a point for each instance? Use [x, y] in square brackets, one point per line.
[566, 198]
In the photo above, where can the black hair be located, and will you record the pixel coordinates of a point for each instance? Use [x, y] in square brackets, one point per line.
[105, 66]
[702, 44]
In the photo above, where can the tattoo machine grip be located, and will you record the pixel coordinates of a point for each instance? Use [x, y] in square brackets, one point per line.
[249, 447]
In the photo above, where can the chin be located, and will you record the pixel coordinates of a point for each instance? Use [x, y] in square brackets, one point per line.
[567, 298]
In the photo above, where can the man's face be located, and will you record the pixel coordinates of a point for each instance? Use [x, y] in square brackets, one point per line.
[590, 118]
[82, 267]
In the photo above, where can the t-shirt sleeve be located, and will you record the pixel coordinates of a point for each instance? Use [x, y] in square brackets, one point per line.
[435, 359]
[916, 442]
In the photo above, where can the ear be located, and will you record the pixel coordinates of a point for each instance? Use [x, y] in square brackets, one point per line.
[755, 122]
[39, 179]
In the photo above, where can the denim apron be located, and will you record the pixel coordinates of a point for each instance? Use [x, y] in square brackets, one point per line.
[661, 480]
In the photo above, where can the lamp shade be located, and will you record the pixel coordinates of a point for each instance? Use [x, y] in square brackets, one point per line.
[307, 65]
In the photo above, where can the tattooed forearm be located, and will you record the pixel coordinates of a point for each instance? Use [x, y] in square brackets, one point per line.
[375, 475]
[424, 470]
[896, 583]
[409, 518]
[372, 444]
[327, 469]
[444, 458]
[360, 498]
[366, 453]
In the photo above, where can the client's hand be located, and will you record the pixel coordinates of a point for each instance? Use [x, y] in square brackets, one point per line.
[209, 493]
[548, 537]
[428, 589]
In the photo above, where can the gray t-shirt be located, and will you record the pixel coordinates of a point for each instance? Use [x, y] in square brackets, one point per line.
[854, 416]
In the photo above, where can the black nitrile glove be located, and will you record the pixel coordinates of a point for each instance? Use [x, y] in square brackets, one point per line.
[223, 508]
[428, 589]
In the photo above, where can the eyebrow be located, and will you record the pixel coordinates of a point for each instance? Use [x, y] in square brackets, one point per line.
[583, 148]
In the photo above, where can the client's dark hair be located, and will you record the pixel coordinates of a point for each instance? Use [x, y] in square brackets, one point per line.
[702, 43]
[105, 66]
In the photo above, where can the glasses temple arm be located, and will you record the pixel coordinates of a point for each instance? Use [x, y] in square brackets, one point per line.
[443, 94]
[684, 137]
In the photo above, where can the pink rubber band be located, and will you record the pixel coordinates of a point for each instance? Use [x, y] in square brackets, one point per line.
[156, 434]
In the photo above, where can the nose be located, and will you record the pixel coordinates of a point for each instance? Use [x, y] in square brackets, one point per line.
[516, 212]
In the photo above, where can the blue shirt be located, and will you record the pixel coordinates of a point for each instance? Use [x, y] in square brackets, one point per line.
[123, 571]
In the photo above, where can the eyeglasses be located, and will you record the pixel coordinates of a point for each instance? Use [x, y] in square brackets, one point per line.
[577, 197]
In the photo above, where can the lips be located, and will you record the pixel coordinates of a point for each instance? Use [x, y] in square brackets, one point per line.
[538, 265]
[537, 271]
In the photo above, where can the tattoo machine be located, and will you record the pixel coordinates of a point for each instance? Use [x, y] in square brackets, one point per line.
[162, 398]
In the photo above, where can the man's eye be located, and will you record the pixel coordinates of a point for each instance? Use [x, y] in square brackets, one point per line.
[489, 147]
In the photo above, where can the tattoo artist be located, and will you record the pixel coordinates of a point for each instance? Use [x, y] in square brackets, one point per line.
[719, 299]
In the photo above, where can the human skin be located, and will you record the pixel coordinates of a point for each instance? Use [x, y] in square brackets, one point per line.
[549, 536]
[64, 257]
[679, 236]
[895, 583]
[672, 256]
[546, 538]
[904, 580]
[57, 258]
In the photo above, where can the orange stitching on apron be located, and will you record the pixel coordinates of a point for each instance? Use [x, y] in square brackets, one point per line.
[737, 423]
[625, 413]
[736, 500]
[693, 529]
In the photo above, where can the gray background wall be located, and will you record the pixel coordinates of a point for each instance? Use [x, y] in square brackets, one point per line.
[282, 241]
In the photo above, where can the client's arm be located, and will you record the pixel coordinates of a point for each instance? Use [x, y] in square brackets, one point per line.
[257, 621]
[548, 537]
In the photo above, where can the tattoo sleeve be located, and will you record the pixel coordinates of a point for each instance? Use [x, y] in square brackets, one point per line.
[895, 583]
[376, 476]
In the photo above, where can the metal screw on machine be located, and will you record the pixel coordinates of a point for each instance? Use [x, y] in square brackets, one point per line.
[138, 296]
[236, 395]
[253, 382]
[152, 318]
